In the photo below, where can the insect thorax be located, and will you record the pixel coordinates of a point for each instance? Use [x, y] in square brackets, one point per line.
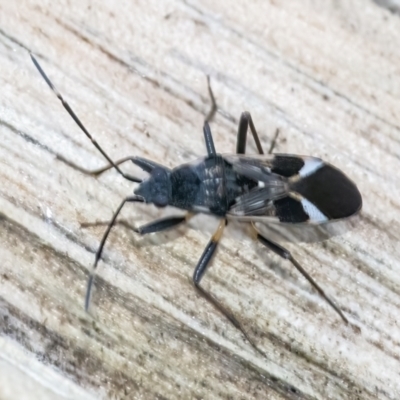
[209, 185]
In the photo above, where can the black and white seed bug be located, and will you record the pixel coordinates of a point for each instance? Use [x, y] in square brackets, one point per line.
[266, 188]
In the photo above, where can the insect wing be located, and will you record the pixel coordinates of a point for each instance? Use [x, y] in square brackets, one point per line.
[292, 189]
[260, 186]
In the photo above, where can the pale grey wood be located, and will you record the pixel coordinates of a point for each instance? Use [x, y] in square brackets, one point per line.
[325, 73]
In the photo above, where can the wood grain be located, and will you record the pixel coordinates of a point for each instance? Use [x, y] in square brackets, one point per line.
[327, 74]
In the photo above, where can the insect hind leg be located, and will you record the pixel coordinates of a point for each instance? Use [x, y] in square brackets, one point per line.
[285, 254]
[246, 122]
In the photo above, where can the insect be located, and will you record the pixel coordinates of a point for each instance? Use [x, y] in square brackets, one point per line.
[268, 188]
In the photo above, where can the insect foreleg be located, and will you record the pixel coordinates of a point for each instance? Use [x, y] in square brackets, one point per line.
[102, 243]
[158, 225]
[162, 224]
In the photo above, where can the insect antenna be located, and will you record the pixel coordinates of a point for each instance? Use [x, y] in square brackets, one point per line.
[81, 126]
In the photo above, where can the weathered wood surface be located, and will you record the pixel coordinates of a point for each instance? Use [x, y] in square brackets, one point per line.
[327, 74]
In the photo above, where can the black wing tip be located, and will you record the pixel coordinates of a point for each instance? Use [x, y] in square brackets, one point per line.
[331, 191]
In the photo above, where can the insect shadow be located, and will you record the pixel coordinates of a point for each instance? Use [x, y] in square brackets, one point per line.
[265, 188]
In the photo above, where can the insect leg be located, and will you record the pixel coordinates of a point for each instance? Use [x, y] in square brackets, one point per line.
[102, 243]
[206, 128]
[244, 123]
[209, 139]
[158, 225]
[198, 274]
[273, 143]
[162, 224]
[213, 108]
[282, 252]
[78, 122]
[208, 253]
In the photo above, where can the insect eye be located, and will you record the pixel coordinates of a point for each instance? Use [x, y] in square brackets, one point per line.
[160, 185]
[160, 200]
